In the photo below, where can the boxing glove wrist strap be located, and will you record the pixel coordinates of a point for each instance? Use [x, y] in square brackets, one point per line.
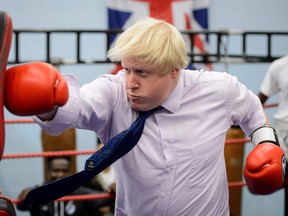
[49, 115]
[264, 134]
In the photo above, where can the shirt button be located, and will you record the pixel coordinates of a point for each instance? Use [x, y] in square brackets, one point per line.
[170, 169]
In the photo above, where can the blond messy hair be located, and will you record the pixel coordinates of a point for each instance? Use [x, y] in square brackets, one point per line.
[154, 42]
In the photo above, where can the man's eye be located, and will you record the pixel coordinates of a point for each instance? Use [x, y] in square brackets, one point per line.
[141, 72]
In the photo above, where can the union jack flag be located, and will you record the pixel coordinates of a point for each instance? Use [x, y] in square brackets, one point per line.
[183, 14]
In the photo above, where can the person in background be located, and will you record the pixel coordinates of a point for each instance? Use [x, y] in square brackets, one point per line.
[58, 167]
[275, 82]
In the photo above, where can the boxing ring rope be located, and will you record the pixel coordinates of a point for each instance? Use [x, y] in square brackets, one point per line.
[19, 121]
[48, 154]
[89, 152]
[78, 197]
[27, 121]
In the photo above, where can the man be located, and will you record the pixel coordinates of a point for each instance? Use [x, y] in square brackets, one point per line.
[276, 82]
[177, 166]
[58, 167]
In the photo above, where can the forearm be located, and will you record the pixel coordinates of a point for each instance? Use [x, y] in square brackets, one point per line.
[263, 98]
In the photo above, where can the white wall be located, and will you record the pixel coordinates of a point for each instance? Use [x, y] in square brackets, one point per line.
[264, 15]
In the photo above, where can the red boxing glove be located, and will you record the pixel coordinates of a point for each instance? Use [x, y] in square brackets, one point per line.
[34, 88]
[264, 171]
[6, 207]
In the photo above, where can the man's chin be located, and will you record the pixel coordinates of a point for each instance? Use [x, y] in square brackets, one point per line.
[137, 106]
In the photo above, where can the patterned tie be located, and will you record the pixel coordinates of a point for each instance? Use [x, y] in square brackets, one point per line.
[114, 149]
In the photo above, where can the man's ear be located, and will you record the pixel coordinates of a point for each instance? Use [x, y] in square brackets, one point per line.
[175, 72]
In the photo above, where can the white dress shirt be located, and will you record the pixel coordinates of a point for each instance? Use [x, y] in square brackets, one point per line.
[276, 82]
[178, 166]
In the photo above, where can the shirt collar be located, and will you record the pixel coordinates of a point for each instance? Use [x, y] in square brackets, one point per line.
[173, 102]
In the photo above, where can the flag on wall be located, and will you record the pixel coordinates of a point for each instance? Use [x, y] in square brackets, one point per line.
[183, 14]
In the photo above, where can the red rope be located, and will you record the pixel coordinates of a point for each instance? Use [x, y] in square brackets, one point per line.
[19, 121]
[237, 141]
[87, 197]
[270, 105]
[49, 154]
[236, 184]
[110, 196]
[27, 121]
[85, 152]
[79, 197]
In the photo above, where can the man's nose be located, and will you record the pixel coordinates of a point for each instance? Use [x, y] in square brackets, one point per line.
[61, 174]
[132, 80]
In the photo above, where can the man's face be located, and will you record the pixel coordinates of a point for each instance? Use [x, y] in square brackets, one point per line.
[59, 168]
[146, 88]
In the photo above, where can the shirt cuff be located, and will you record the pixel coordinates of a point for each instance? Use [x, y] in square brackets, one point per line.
[67, 115]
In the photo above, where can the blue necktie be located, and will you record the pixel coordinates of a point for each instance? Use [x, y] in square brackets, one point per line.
[114, 149]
